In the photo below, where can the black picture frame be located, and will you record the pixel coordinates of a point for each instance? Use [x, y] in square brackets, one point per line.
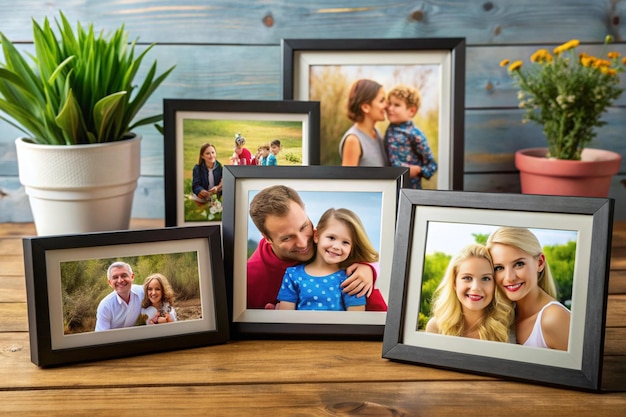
[181, 154]
[580, 367]
[240, 183]
[446, 55]
[48, 286]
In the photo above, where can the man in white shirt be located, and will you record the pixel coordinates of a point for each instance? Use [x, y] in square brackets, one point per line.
[121, 308]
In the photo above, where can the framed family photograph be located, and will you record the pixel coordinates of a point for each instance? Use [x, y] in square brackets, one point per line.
[425, 75]
[103, 295]
[204, 136]
[292, 236]
[505, 285]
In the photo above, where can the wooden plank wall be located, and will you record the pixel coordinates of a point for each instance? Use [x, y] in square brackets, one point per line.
[231, 50]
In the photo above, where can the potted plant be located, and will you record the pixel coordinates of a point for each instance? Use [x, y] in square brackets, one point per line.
[76, 99]
[566, 93]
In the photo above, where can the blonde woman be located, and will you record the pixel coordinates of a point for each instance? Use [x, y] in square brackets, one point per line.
[467, 301]
[522, 271]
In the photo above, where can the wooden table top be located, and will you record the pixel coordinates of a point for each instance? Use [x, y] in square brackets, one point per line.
[281, 377]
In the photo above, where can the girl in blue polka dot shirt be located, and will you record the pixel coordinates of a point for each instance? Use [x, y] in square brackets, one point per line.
[341, 241]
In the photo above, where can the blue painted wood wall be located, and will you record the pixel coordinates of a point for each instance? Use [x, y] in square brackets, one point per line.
[231, 50]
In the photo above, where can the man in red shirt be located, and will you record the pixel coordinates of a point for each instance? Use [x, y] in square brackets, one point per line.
[287, 240]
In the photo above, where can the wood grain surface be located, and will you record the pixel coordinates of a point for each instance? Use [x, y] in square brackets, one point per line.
[281, 377]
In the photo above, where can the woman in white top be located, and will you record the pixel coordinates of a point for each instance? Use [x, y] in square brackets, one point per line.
[156, 306]
[523, 273]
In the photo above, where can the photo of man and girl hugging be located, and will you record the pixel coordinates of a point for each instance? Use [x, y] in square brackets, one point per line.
[501, 291]
[297, 265]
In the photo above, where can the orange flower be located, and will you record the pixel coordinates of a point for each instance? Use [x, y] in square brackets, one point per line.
[566, 92]
[515, 66]
[541, 55]
[587, 60]
[601, 63]
[566, 46]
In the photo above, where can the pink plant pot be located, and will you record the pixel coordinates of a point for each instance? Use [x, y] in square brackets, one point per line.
[589, 177]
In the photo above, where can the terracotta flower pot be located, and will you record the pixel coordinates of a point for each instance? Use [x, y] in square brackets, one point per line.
[589, 177]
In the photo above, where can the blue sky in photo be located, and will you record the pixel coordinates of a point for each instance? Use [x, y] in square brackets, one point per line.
[451, 237]
[367, 205]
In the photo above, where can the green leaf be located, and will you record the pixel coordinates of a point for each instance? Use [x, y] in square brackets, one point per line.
[147, 121]
[13, 78]
[70, 119]
[107, 115]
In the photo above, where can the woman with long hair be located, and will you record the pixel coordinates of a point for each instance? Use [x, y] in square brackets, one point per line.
[522, 271]
[467, 301]
[206, 175]
[362, 144]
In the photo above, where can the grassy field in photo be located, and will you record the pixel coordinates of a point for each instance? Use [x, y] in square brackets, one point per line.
[221, 133]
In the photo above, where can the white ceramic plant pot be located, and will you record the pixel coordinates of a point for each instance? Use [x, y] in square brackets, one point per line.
[80, 188]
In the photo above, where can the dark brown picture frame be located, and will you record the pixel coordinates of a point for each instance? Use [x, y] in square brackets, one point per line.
[177, 111]
[300, 56]
[240, 182]
[43, 257]
[580, 366]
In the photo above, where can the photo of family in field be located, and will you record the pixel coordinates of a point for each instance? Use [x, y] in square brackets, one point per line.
[209, 144]
[380, 115]
[315, 250]
[505, 284]
[122, 292]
